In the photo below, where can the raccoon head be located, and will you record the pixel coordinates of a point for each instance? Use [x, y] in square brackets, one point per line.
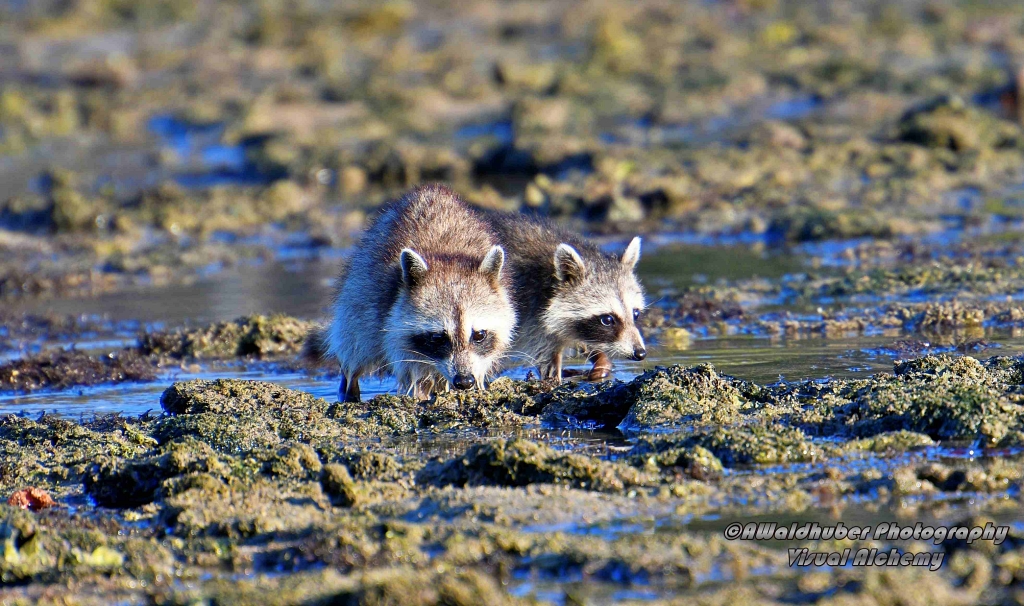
[453, 315]
[598, 303]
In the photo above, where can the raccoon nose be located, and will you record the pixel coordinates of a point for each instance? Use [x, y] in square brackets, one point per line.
[639, 353]
[463, 381]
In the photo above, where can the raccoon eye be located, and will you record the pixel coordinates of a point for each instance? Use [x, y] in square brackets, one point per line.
[478, 336]
[636, 315]
[438, 338]
[608, 320]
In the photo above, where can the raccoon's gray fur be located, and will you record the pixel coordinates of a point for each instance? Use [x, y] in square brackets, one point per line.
[423, 298]
[570, 294]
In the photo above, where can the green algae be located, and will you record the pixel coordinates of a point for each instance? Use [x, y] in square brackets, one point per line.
[521, 462]
[730, 447]
[895, 441]
[251, 336]
[308, 492]
[697, 461]
[941, 396]
[120, 483]
[259, 336]
[949, 122]
[63, 369]
[682, 396]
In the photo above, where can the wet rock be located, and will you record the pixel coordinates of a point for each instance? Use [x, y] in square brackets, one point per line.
[521, 463]
[63, 369]
[896, 441]
[949, 122]
[236, 416]
[697, 461]
[945, 397]
[735, 446]
[811, 224]
[123, 483]
[682, 396]
[339, 485]
[260, 336]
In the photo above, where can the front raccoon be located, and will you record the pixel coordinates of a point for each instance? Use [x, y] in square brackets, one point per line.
[570, 294]
[423, 298]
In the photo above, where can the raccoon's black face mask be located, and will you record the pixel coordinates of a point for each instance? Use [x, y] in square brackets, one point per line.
[433, 345]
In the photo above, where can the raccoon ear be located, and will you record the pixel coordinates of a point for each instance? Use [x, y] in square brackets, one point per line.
[632, 254]
[413, 267]
[492, 263]
[568, 264]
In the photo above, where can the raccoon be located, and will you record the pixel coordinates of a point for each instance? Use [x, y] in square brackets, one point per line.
[424, 298]
[570, 294]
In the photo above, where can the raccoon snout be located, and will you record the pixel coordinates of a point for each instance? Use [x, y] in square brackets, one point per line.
[639, 353]
[462, 381]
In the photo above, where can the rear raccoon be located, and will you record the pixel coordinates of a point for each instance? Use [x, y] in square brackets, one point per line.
[570, 294]
[423, 298]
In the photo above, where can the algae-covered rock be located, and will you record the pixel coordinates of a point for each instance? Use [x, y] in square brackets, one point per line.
[949, 122]
[239, 416]
[740, 445]
[522, 462]
[505, 403]
[802, 224]
[403, 585]
[338, 485]
[945, 397]
[697, 461]
[23, 552]
[236, 416]
[234, 396]
[369, 465]
[124, 483]
[895, 441]
[257, 335]
[682, 396]
[52, 452]
[294, 460]
[245, 510]
[62, 369]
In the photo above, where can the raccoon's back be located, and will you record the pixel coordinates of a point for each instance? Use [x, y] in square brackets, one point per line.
[432, 220]
[534, 239]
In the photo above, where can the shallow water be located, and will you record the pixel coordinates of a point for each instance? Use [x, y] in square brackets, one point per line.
[303, 289]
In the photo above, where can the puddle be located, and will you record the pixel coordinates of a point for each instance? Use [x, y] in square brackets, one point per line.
[302, 289]
[205, 161]
[678, 261]
[499, 131]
